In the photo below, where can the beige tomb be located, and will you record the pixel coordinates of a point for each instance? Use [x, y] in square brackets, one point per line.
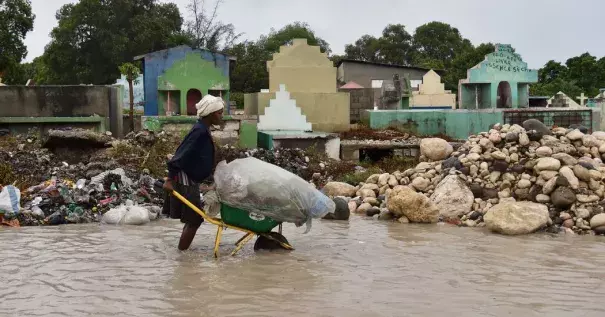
[310, 78]
[432, 94]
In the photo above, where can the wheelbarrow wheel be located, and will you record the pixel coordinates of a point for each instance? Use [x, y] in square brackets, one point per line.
[264, 243]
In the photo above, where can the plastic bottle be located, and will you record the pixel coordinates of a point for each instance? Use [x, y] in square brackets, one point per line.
[80, 183]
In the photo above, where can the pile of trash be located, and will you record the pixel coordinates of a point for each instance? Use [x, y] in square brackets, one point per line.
[61, 201]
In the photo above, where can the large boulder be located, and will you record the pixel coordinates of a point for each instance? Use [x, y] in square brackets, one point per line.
[597, 221]
[404, 201]
[334, 189]
[514, 218]
[452, 197]
[435, 149]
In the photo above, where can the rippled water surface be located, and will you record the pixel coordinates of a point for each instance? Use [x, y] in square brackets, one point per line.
[360, 268]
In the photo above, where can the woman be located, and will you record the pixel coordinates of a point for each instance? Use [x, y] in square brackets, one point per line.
[192, 164]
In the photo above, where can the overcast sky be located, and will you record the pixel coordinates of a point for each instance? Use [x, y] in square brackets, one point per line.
[540, 30]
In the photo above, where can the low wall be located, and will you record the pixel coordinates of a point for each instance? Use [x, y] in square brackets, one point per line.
[53, 105]
[236, 130]
[327, 112]
[459, 124]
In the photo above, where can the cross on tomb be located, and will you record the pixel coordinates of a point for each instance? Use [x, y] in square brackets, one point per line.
[582, 98]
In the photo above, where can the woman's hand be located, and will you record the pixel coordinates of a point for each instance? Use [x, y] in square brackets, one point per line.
[168, 185]
[206, 188]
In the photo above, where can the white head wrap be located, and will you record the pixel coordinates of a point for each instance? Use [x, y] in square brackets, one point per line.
[208, 105]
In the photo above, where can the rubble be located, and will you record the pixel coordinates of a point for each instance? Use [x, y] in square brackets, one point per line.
[76, 138]
[560, 171]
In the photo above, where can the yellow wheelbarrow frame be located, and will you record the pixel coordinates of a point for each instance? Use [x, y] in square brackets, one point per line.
[222, 225]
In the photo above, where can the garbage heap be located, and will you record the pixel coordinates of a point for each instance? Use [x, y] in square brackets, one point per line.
[512, 179]
[61, 200]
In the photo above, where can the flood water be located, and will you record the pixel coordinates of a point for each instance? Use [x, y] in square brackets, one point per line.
[360, 268]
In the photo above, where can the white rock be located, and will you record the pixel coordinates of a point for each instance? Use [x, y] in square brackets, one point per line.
[495, 138]
[597, 221]
[334, 189]
[575, 135]
[498, 155]
[541, 198]
[523, 139]
[600, 135]
[473, 157]
[517, 218]
[435, 149]
[420, 183]
[548, 164]
[550, 186]
[590, 141]
[544, 151]
[524, 183]
[582, 213]
[585, 199]
[452, 197]
[548, 175]
[566, 172]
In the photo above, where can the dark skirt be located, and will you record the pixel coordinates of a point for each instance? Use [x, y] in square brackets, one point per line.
[178, 210]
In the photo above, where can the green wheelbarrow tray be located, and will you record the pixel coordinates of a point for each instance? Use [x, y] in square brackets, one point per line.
[247, 220]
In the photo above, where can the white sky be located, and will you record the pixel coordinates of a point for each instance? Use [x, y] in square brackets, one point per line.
[540, 30]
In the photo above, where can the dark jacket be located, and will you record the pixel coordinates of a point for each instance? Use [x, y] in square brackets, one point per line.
[195, 155]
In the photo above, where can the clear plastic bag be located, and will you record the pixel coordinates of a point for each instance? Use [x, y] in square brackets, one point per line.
[256, 186]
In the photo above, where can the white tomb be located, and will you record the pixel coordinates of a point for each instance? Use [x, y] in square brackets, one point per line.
[283, 114]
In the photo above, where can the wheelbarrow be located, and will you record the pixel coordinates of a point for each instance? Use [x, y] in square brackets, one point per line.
[252, 224]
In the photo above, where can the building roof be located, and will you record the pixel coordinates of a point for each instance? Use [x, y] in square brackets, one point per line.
[351, 85]
[136, 58]
[386, 65]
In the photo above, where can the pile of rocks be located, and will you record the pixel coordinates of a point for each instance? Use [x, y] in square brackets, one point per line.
[514, 179]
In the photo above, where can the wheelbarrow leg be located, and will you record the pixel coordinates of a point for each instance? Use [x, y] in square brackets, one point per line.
[279, 229]
[241, 239]
[243, 242]
[217, 241]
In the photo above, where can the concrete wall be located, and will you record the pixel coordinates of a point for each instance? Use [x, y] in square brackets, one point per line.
[180, 69]
[364, 73]
[302, 68]
[361, 99]
[54, 101]
[327, 112]
[459, 124]
[96, 107]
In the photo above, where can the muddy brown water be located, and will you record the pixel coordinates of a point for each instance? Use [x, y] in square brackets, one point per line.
[360, 268]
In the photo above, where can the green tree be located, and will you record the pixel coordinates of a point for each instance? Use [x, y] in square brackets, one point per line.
[552, 71]
[551, 88]
[284, 36]
[583, 71]
[366, 48]
[16, 19]
[438, 43]
[396, 45]
[131, 72]
[250, 72]
[94, 37]
[463, 61]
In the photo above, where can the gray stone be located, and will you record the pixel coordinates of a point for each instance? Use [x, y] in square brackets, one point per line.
[342, 211]
[570, 176]
[542, 198]
[364, 208]
[372, 212]
[452, 162]
[582, 213]
[452, 197]
[385, 215]
[420, 183]
[566, 159]
[512, 137]
[500, 166]
[581, 173]
[533, 124]
[563, 197]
